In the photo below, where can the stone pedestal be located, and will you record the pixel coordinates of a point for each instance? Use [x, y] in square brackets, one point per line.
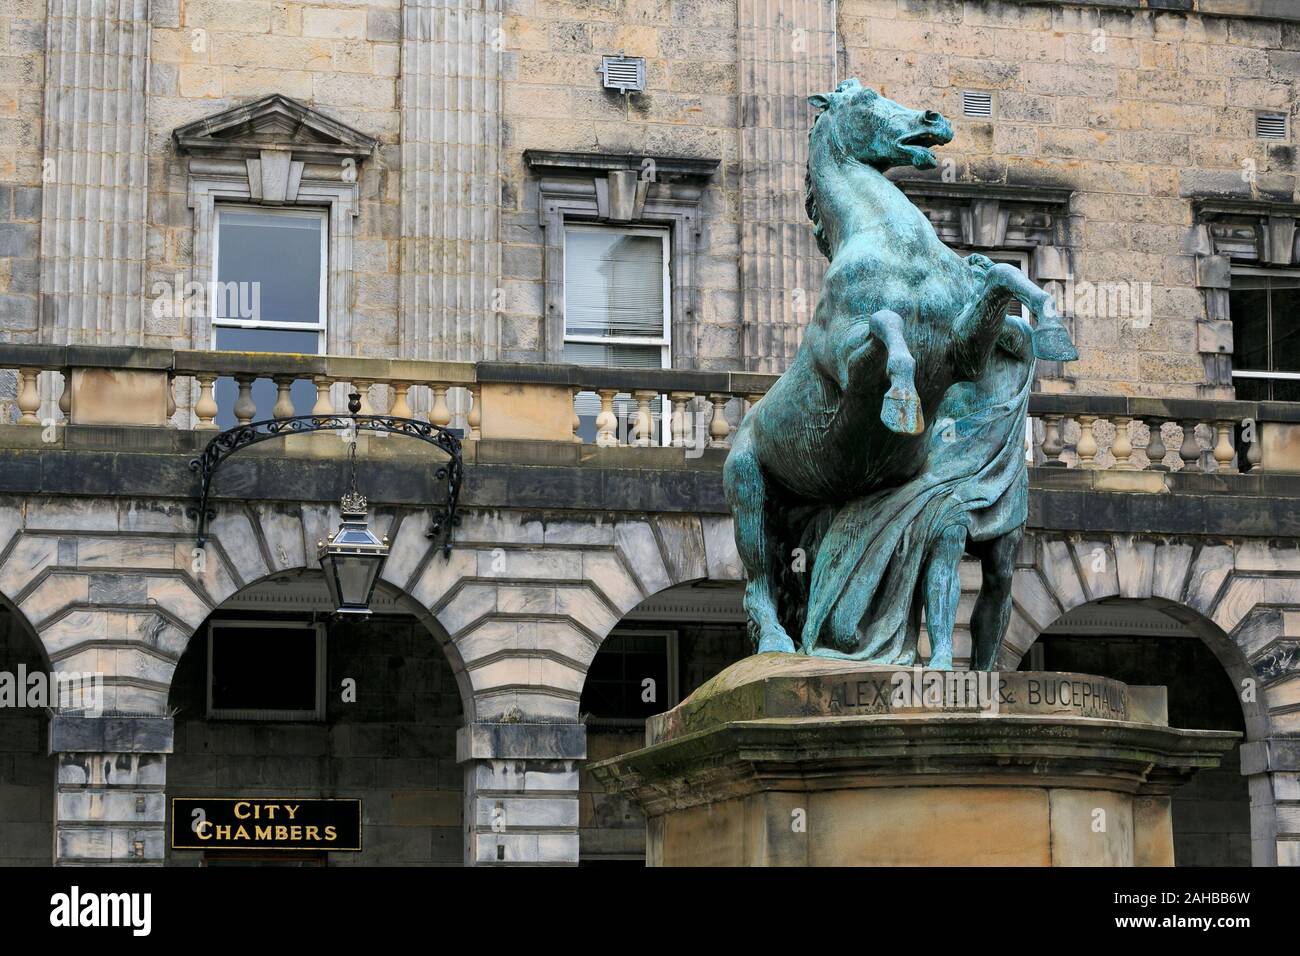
[783, 760]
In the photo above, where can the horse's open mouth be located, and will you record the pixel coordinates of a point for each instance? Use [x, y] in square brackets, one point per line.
[916, 145]
[923, 139]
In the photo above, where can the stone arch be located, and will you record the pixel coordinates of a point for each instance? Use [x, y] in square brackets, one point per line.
[261, 542]
[1239, 597]
[94, 575]
[528, 599]
[1198, 582]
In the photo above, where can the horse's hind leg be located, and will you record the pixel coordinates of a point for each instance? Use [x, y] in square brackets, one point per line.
[1051, 339]
[942, 593]
[992, 611]
[747, 494]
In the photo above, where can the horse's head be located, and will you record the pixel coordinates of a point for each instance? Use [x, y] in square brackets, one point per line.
[878, 131]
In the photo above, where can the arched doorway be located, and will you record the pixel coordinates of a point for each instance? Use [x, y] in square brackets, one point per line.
[657, 655]
[27, 771]
[1154, 642]
[277, 697]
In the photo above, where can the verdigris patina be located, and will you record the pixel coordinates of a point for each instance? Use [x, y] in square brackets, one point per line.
[893, 444]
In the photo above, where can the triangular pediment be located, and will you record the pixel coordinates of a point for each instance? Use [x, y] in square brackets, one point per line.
[273, 122]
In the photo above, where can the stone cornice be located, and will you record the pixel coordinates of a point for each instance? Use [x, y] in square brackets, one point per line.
[274, 122]
[667, 168]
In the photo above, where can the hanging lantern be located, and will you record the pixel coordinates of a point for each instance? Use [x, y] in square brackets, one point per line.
[353, 556]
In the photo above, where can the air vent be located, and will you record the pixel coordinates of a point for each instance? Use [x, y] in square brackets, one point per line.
[623, 73]
[977, 103]
[1270, 125]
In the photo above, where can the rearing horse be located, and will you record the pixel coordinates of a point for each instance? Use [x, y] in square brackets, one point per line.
[900, 319]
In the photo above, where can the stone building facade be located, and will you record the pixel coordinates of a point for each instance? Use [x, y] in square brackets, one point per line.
[450, 156]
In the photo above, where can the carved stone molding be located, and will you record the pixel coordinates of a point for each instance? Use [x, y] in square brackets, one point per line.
[640, 190]
[999, 217]
[278, 123]
[277, 152]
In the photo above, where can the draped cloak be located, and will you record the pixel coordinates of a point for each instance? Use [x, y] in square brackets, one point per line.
[864, 602]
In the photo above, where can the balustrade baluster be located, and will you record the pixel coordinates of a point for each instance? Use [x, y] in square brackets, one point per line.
[644, 422]
[719, 430]
[1224, 453]
[400, 409]
[324, 401]
[205, 409]
[1254, 447]
[1086, 448]
[1156, 444]
[1052, 445]
[440, 413]
[681, 418]
[283, 401]
[245, 407]
[29, 397]
[1190, 450]
[607, 421]
[1122, 446]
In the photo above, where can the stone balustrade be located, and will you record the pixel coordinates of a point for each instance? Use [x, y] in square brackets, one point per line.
[625, 406]
[444, 393]
[608, 407]
[1126, 433]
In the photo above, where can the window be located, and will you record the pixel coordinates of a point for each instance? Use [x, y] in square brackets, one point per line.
[617, 295]
[633, 676]
[268, 294]
[266, 670]
[1264, 306]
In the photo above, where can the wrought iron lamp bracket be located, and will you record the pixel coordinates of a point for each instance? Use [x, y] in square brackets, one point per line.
[232, 440]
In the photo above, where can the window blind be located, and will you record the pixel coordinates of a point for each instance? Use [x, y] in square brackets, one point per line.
[613, 284]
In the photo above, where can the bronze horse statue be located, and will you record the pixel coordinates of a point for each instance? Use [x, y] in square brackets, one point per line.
[901, 319]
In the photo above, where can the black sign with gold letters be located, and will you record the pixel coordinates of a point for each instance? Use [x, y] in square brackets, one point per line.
[265, 823]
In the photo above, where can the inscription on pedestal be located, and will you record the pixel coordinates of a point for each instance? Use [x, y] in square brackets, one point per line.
[909, 691]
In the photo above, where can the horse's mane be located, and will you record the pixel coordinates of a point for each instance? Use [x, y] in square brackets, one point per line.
[810, 200]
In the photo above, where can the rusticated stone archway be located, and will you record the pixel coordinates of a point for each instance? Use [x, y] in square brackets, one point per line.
[1239, 597]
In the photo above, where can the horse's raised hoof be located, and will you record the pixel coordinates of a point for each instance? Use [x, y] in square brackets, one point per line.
[775, 642]
[901, 412]
[1052, 342]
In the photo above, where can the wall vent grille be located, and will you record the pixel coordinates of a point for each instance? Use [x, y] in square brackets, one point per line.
[623, 73]
[1270, 125]
[977, 103]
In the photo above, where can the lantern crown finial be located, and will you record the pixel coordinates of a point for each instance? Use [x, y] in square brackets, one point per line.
[353, 505]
